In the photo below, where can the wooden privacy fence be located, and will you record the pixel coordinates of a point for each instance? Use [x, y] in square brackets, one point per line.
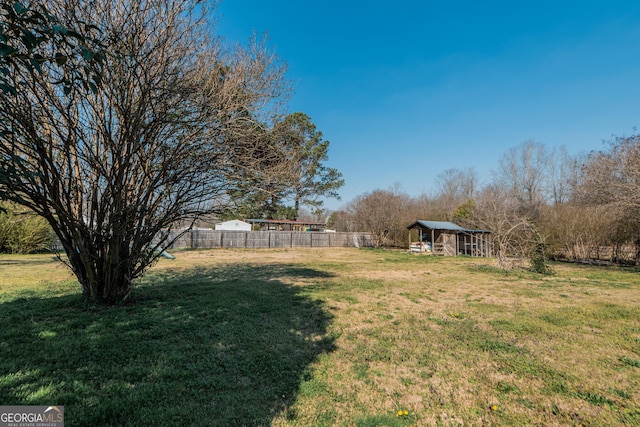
[208, 239]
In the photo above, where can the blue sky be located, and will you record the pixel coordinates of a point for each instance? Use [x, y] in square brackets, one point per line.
[407, 89]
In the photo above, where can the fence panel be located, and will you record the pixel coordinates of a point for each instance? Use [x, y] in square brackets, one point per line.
[281, 239]
[204, 239]
[208, 239]
[182, 242]
[338, 239]
[233, 239]
[366, 240]
[320, 240]
[301, 239]
[258, 239]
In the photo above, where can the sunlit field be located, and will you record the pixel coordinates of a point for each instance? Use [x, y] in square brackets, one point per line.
[325, 337]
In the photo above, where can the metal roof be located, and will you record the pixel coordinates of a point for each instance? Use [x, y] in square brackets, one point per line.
[443, 225]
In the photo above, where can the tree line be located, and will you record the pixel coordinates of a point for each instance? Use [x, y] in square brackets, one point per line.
[541, 203]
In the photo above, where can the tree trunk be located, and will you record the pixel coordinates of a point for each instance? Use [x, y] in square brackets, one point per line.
[104, 271]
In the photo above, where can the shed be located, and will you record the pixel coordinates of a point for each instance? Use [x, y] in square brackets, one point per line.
[233, 225]
[447, 238]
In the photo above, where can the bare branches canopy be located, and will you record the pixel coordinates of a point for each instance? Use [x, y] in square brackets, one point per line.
[163, 136]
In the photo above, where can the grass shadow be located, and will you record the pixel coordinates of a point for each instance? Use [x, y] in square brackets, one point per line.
[26, 260]
[210, 346]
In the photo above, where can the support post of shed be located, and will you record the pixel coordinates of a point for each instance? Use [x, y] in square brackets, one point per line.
[433, 241]
[473, 248]
[485, 247]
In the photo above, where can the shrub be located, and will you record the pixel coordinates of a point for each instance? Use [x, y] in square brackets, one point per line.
[539, 259]
[21, 231]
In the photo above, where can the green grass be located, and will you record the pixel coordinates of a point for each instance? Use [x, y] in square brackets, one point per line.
[326, 338]
[212, 346]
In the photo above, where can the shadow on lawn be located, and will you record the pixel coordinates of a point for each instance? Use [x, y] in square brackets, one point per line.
[209, 346]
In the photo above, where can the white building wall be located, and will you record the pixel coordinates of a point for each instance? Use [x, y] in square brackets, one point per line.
[234, 225]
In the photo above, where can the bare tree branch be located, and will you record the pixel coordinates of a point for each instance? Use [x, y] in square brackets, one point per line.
[159, 144]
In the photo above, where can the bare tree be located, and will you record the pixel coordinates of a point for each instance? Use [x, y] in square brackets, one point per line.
[457, 184]
[424, 207]
[523, 171]
[578, 231]
[156, 145]
[456, 187]
[514, 235]
[341, 220]
[563, 169]
[381, 213]
[611, 178]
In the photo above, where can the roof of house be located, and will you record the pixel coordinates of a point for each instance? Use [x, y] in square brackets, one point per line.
[443, 225]
[282, 221]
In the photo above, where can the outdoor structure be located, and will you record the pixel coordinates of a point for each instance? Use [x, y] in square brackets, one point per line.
[447, 238]
[285, 225]
[233, 225]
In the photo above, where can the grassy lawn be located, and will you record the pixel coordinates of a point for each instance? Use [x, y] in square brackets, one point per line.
[335, 337]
